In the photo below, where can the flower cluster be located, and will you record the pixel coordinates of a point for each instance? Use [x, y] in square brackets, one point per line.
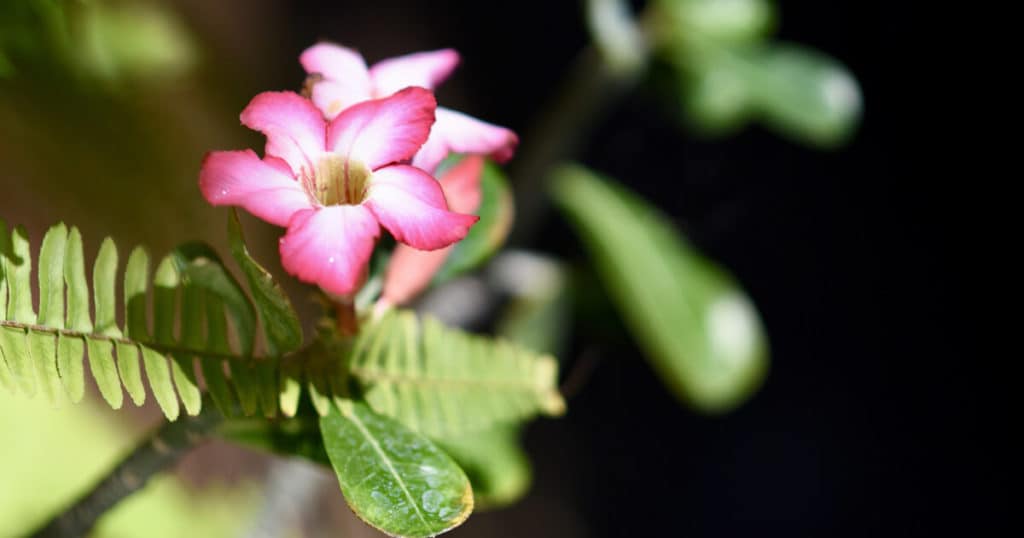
[357, 155]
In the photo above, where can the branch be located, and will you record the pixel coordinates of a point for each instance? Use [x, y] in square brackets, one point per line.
[161, 450]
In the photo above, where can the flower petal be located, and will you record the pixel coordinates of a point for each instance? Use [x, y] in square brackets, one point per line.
[294, 127]
[455, 132]
[346, 80]
[461, 185]
[240, 178]
[410, 270]
[383, 131]
[330, 246]
[410, 204]
[424, 69]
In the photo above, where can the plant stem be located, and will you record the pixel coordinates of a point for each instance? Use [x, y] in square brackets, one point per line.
[159, 451]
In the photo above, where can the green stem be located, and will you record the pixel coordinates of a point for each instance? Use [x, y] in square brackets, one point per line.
[162, 449]
[162, 348]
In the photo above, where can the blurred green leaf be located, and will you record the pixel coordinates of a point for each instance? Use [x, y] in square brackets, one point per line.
[93, 40]
[281, 326]
[716, 98]
[497, 467]
[394, 479]
[696, 325]
[134, 40]
[490, 232]
[730, 74]
[727, 21]
[804, 93]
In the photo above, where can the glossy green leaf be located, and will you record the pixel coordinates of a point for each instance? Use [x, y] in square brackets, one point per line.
[497, 466]
[489, 233]
[282, 330]
[696, 325]
[394, 479]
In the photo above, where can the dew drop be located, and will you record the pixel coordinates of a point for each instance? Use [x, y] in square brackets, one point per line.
[223, 192]
[432, 500]
[330, 260]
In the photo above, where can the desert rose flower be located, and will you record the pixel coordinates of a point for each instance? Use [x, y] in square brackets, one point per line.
[334, 184]
[342, 79]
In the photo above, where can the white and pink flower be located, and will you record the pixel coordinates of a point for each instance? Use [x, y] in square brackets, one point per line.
[343, 79]
[334, 183]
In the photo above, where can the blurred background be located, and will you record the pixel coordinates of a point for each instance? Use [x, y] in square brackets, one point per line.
[870, 421]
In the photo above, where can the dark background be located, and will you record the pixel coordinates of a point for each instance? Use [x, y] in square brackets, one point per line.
[871, 420]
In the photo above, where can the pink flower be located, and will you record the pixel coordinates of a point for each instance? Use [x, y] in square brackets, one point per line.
[410, 271]
[334, 184]
[345, 80]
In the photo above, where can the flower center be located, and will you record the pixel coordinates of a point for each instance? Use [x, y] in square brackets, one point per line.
[336, 181]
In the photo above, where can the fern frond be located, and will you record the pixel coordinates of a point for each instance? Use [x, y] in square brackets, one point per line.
[192, 298]
[442, 381]
[436, 380]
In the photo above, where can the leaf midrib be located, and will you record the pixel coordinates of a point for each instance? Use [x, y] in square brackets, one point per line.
[351, 415]
[163, 348]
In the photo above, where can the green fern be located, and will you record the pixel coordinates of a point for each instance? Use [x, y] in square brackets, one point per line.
[442, 381]
[43, 353]
[434, 379]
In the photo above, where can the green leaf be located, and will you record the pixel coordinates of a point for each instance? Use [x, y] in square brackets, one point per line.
[104, 277]
[213, 370]
[193, 297]
[717, 97]
[18, 271]
[497, 467]
[728, 21]
[14, 343]
[805, 94]
[281, 326]
[104, 371]
[200, 266]
[136, 284]
[489, 233]
[441, 381]
[394, 479]
[696, 325]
